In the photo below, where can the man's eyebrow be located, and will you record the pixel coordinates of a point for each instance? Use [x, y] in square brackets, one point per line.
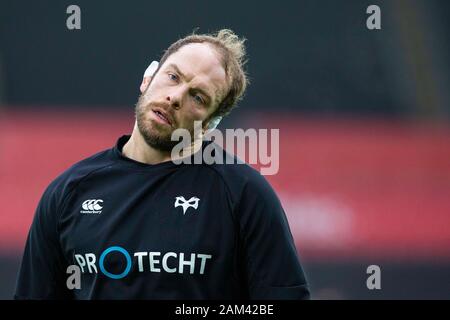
[174, 66]
[202, 91]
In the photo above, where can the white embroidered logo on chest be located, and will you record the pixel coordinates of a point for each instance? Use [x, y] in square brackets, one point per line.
[92, 206]
[186, 204]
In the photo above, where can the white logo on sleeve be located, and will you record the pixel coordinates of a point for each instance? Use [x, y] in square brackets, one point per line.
[92, 206]
[186, 204]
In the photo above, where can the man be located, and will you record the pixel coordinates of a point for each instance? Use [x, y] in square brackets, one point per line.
[140, 226]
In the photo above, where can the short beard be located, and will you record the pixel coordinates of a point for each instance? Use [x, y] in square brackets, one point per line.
[149, 131]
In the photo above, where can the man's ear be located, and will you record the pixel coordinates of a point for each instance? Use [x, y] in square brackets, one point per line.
[148, 74]
[145, 83]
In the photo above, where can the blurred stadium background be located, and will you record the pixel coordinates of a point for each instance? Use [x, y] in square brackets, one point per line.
[364, 119]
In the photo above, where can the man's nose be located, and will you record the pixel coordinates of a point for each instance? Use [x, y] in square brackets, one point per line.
[174, 98]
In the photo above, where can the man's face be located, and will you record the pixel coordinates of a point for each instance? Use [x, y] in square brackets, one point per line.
[187, 88]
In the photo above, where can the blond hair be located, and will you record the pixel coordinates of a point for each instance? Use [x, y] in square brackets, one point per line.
[232, 51]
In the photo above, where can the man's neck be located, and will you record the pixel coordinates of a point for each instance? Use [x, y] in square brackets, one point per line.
[137, 149]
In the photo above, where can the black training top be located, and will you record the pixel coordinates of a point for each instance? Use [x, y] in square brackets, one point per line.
[164, 231]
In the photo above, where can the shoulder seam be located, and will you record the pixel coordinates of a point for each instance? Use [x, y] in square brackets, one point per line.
[66, 197]
[225, 183]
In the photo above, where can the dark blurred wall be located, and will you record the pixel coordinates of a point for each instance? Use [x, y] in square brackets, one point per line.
[311, 56]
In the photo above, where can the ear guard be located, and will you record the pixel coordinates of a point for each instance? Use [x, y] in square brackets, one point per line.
[150, 71]
[213, 123]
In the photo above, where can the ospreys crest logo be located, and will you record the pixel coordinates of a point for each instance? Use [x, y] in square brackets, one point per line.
[186, 204]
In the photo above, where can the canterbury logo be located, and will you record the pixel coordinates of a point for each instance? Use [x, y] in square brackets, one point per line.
[186, 204]
[92, 206]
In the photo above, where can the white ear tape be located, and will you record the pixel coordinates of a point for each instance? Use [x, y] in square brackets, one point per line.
[150, 71]
[213, 123]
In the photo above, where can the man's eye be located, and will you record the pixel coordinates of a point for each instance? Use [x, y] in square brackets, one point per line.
[173, 77]
[199, 99]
